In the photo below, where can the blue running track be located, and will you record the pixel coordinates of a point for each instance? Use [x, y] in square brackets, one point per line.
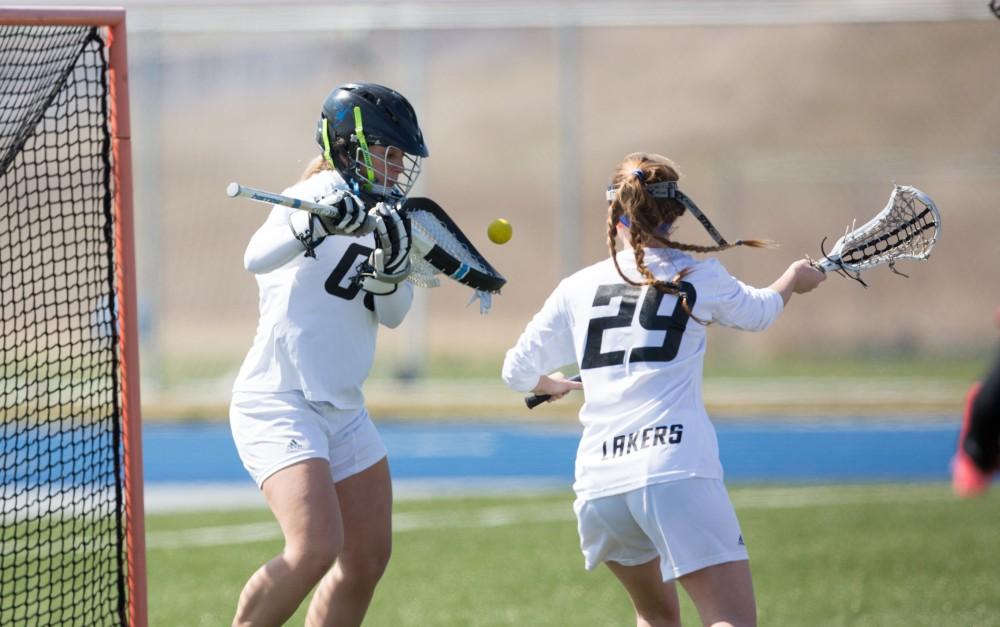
[843, 451]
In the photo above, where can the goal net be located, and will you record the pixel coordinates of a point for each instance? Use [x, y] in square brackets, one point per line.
[70, 486]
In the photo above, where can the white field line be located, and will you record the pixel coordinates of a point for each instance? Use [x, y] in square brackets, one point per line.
[499, 516]
[26, 553]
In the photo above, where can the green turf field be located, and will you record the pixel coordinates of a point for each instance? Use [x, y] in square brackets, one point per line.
[857, 556]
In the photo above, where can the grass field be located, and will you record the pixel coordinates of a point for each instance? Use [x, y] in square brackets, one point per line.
[963, 366]
[868, 555]
[464, 386]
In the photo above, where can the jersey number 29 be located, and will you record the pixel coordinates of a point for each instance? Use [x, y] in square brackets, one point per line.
[649, 319]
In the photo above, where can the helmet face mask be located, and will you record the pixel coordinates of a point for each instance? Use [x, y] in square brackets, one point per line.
[385, 171]
[370, 135]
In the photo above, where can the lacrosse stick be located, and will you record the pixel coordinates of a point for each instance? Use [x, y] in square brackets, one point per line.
[439, 245]
[907, 228]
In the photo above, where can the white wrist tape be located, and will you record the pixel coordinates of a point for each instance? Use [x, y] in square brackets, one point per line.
[308, 230]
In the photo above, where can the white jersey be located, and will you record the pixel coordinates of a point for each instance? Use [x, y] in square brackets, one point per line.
[317, 329]
[640, 357]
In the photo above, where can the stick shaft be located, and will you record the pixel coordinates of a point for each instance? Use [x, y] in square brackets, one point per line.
[234, 190]
[825, 265]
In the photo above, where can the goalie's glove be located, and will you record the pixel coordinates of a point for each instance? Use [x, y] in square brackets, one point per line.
[347, 213]
[389, 263]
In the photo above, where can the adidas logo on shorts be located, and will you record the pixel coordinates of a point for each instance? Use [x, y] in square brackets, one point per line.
[293, 445]
[739, 542]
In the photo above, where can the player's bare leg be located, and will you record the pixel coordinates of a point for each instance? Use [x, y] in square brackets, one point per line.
[344, 594]
[655, 601]
[304, 501]
[723, 594]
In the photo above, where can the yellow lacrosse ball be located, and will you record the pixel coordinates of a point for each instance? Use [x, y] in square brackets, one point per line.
[500, 231]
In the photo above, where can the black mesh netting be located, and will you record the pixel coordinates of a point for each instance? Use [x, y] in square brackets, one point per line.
[62, 558]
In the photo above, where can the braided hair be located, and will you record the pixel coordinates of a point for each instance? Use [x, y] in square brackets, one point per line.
[648, 218]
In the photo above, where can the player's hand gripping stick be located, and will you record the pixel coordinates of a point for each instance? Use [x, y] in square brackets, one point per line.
[534, 400]
[335, 213]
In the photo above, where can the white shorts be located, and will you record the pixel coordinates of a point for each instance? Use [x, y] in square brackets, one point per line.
[273, 430]
[689, 524]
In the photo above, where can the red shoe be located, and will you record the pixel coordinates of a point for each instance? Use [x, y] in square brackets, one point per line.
[967, 480]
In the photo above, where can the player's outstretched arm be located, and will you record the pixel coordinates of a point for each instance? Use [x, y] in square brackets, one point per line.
[799, 278]
[288, 232]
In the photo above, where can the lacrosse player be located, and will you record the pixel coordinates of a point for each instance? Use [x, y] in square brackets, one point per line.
[298, 416]
[978, 454]
[651, 503]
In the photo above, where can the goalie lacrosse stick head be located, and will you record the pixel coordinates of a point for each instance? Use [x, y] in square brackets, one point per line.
[907, 228]
[440, 247]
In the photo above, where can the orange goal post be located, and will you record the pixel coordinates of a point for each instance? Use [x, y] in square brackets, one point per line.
[71, 487]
